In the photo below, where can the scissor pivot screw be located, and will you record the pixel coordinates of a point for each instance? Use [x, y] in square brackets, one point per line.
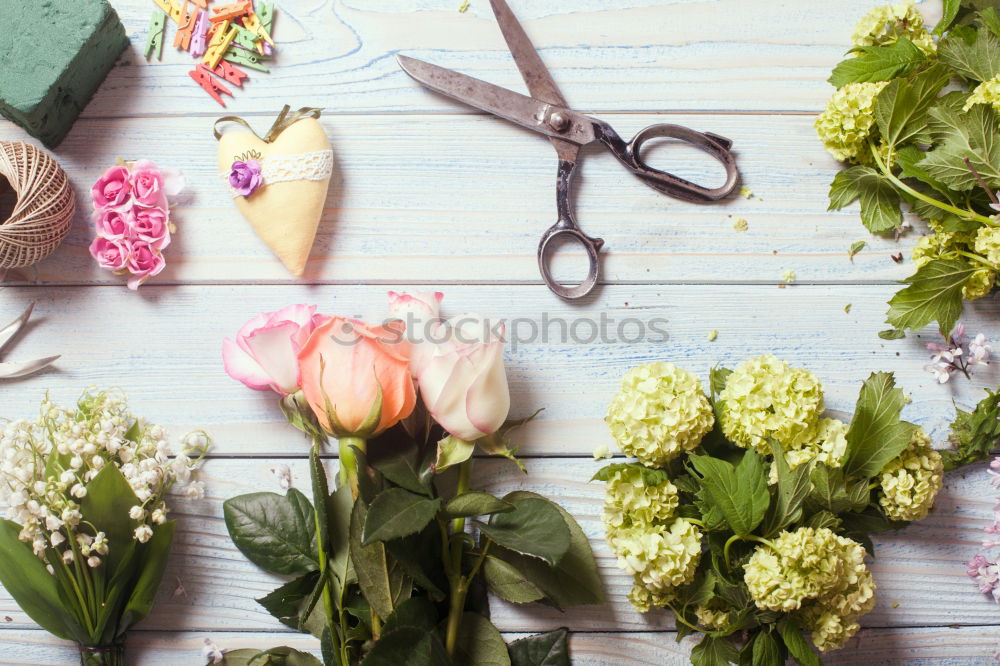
[559, 121]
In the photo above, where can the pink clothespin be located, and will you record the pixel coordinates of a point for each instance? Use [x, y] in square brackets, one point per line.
[231, 73]
[199, 36]
[203, 77]
[185, 30]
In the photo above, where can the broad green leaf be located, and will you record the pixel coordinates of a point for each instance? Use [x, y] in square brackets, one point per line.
[452, 451]
[106, 505]
[974, 435]
[822, 519]
[796, 643]
[876, 435]
[480, 643]
[416, 612]
[474, 503]
[575, 581]
[650, 476]
[901, 107]
[548, 649]
[284, 603]
[419, 555]
[975, 54]
[792, 488]
[962, 135]
[878, 63]
[714, 651]
[152, 564]
[740, 493]
[766, 651]
[908, 159]
[505, 581]
[382, 581]
[35, 590]
[934, 294]
[717, 377]
[989, 18]
[829, 490]
[396, 513]
[400, 468]
[535, 528]
[879, 200]
[949, 11]
[272, 531]
[410, 646]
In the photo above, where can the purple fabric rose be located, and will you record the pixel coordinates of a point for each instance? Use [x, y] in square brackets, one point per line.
[245, 178]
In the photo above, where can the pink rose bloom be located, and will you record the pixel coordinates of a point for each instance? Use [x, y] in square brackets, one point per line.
[110, 253]
[463, 382]
[151, 225]
[111, 189]
[113, 223]
[421, 311]
[265, 353]
[144, 262]
[147, 184]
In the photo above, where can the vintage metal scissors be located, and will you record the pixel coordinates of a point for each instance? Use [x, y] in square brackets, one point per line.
[7, 335]
[546, 112]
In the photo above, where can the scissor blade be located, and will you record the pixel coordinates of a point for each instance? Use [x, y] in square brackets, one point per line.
[13, 370]
[10, 330]
[507, 104]
[533, 70]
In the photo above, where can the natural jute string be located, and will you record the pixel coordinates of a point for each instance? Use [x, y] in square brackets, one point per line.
[45, 205]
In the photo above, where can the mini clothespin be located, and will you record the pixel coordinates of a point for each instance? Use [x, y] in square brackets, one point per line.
[249, 59]
[186, 31]
[203, 77]
[226, 70]
[174, 10]
[217, 48]
[252, 22]
[157, 26]
[265, 12]
[199, 36]
[245, 39]
[231, 12]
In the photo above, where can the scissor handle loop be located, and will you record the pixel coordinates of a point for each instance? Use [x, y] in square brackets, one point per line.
[630, 155]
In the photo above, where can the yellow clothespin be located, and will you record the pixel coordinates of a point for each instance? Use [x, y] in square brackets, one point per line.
[173, 9]
[252, 23]
[223, 37]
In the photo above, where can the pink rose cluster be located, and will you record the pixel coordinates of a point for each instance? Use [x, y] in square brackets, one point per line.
[132, 219]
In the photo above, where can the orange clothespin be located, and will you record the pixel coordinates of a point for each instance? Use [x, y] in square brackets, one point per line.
[233, 11]
[231, 73]
[252, 23]
[217, 48]
[174, 10]
[186, 30]
[201, 3]
[203, 77]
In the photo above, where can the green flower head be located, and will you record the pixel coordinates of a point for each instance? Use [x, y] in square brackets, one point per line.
[629, 502]
[987, 92]
[644, 601]
[659, 412]
[910, 483]
[987, 243]
[884, 25]
[849, 116]
[660, 558]
[767, 398]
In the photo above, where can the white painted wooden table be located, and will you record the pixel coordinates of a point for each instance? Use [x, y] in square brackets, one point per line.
[428, 193]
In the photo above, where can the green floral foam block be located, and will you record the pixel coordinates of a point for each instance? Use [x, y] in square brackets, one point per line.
[54, 55]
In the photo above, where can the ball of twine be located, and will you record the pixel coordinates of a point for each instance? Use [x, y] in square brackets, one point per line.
[45, 205]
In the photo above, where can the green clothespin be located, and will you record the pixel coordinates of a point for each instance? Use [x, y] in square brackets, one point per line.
[245, 38]
[157, 26]
[265, 12]
[246, 58]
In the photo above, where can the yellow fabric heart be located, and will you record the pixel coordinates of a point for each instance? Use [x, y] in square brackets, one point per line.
[284, 214]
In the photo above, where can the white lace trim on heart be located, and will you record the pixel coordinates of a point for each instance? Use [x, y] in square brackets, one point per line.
[287, 168]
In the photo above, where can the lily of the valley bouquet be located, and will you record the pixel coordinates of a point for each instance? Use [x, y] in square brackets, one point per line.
[381, 567]
[86, 539]
[749, 514]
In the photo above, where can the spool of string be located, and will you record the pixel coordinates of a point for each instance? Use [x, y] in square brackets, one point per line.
[43, 205]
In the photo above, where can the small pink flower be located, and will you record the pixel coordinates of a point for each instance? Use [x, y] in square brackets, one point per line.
[147, 184]
[110, 253]
[111, 189]
[144, 262]
[152, 226]
[113, 223]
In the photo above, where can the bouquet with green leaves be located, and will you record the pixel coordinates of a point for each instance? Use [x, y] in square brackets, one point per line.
[748, 514]
[915, 115]
[382, 568]
[86, 540]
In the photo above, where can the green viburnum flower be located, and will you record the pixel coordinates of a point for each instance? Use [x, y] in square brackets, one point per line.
[631, 503]
[801, 565]
[827, 447]
[712, 618]
[833, 618]
[849, 116]
[767, 398]
[659, 412]
[660, 558]
[987, 92]
[910, 483]
[979, 284]
[987, 243]
[884, 25]
[643, 600]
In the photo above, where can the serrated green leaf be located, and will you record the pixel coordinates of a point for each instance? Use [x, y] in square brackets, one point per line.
[990, 19]
[934, 294]
[792, 488]
[480, 643]
[534, 528]
[766, 651]
[714, 651]
[880, 210]
[972, 53]
[505, 581]
[949, 11]
[796, 643]
[548, 649]
[822, 519]
[274, 532]
[285, 602]
[901, 107]
[396, 513]
[417, 612]
[474, 503]
[382, 580]
[876, 435]
[878, 63]
[650, 476]
[717, 377]
[408, 645]
[740, 493]
[962, 135]
[976, 434]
